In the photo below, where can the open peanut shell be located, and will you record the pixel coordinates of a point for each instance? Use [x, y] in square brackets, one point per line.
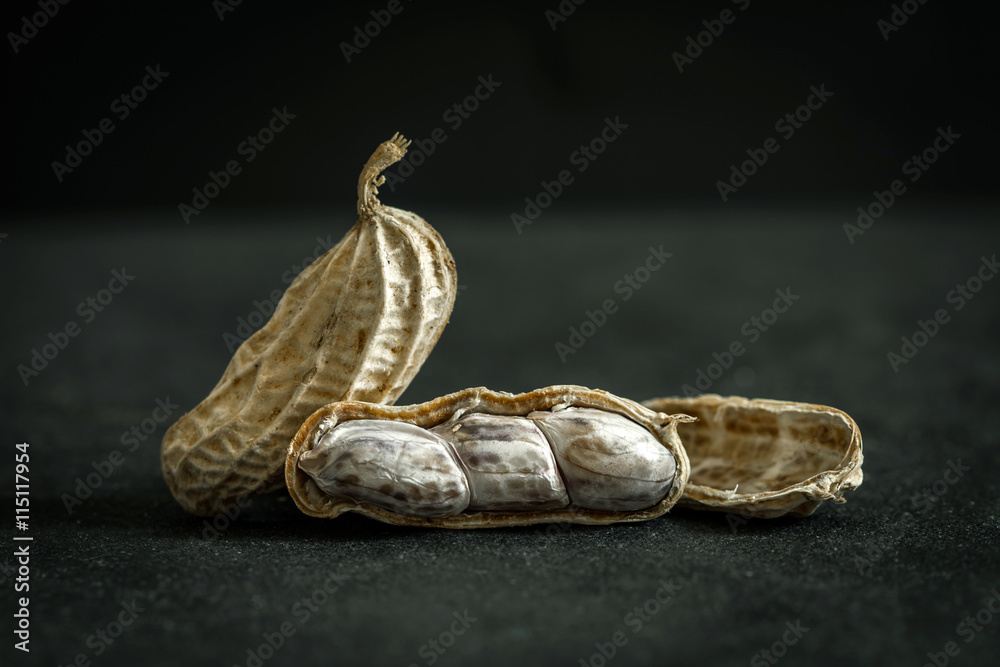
[765, 458]
[314, 502]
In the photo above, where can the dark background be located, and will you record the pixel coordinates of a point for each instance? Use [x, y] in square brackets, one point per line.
[606, 59]
[884, 579]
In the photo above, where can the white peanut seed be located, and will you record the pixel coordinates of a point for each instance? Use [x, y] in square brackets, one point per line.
[607, 461]
[395, 465]
[508, 462]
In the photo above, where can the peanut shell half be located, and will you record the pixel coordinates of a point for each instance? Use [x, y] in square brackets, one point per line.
[765, 458]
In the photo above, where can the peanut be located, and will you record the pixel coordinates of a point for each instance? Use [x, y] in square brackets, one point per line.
[608, 461]
[394, 465]
[357, 323]
[508, 461]
[482, 458]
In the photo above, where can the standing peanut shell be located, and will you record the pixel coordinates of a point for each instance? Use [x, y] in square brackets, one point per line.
[357, 323]
[765, 458]
[446, 412]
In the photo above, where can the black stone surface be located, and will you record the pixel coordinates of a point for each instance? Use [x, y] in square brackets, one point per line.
[886, 578]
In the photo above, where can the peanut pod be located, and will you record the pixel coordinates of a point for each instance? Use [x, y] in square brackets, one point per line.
[357, 323]
[480, 458]
[765, 458]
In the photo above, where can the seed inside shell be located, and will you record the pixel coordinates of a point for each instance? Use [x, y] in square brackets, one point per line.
[508, 461]
[394, 465]
[473, 406]
[609, 462]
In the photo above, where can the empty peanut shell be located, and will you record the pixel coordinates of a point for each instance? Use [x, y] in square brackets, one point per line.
[765, 458]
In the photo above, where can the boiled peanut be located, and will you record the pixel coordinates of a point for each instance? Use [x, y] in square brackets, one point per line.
[624, 462]
[357, 323]
[508, 462]
[395, 465]
[609, 462]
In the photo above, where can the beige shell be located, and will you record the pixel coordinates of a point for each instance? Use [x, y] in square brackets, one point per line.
[765, 458]
[314, 502]
[357, 323]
